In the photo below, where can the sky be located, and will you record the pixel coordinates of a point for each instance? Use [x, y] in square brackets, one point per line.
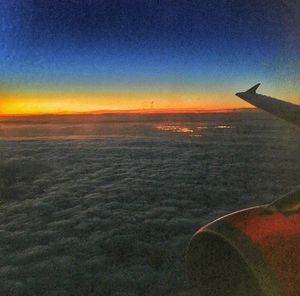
[65, 56]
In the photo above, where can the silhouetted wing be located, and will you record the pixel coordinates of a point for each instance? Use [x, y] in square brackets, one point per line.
[287, 111]
[254, 251]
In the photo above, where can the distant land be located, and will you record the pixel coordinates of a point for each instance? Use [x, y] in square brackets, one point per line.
[135, 111]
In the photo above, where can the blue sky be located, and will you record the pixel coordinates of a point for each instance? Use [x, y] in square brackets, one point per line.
[136, 44]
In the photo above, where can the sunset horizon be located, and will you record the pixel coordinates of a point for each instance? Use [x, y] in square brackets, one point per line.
[89, 99]
[132, 111]
[42, 100]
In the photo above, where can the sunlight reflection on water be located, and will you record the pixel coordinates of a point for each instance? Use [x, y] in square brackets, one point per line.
[175, 128]
[194, 131]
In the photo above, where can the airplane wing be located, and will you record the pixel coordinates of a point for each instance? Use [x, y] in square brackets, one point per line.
[254, 251]
[287, 111]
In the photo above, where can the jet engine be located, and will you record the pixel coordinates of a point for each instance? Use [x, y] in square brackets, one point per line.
[250, 252]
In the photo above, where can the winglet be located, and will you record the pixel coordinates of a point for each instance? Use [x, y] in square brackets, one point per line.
[253, 88]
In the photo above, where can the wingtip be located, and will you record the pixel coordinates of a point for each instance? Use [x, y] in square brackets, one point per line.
[253, 88]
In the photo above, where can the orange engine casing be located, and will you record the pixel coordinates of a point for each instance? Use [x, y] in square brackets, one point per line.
[250, 252]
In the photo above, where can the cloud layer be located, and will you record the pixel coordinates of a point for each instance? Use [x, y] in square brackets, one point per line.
[113, 215]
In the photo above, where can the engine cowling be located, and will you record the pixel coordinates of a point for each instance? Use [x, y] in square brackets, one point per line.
[255, 251]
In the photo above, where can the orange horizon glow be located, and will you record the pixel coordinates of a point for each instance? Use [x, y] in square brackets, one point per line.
[24, 101]
[130, 111]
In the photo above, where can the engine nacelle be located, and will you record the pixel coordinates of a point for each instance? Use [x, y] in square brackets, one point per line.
[250, 252]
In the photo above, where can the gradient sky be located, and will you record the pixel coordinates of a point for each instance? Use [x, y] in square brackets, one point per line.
[84, 55]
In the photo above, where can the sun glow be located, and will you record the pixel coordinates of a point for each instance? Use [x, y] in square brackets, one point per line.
[66, 101]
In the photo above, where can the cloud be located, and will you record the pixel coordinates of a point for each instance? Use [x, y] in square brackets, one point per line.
[114, 215]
